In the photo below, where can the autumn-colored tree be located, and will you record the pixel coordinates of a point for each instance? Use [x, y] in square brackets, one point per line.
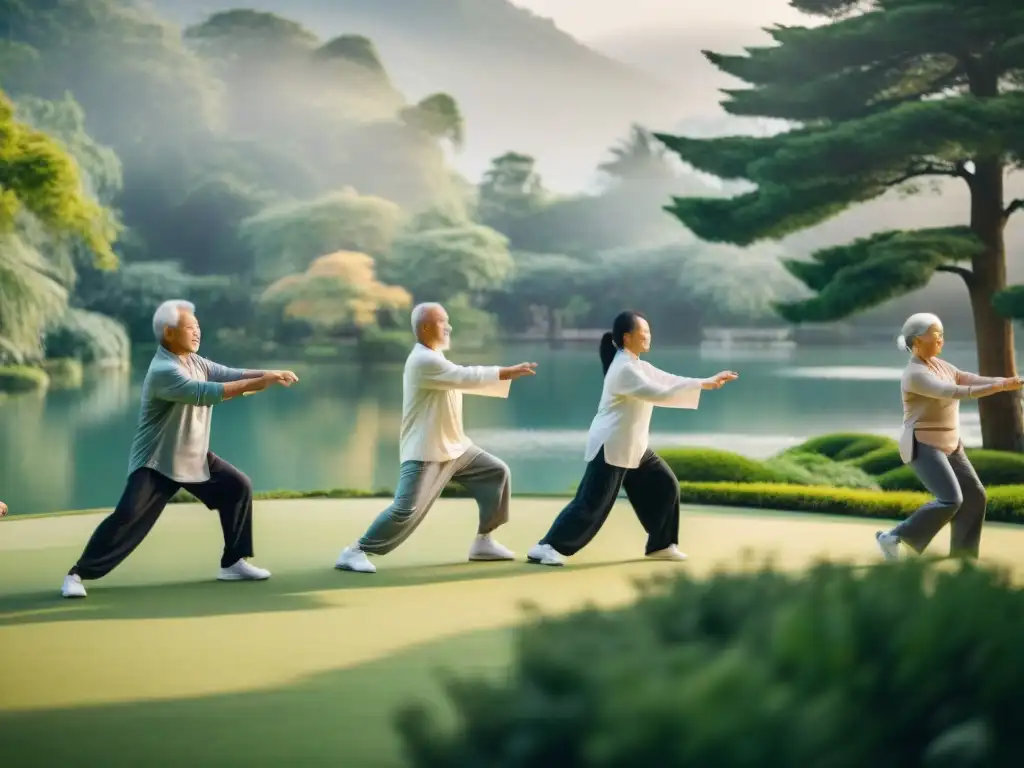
[338, 294]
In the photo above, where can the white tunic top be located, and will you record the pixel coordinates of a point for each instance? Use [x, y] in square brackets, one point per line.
[432, 388]
[632, 387]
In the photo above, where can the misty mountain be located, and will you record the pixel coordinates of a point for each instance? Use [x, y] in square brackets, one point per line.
[522, 83]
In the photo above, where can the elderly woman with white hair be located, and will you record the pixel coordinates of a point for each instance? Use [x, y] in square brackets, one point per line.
[171, 450]
[930, 443]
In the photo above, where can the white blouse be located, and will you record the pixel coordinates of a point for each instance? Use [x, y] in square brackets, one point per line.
[432, 388]
[632, 387]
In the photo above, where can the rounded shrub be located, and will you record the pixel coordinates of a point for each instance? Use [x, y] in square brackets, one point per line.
[815, 469]
[756, 668]
[711, 465]
[843, 445]
[994, 468]
[17, 379]
[879, 461]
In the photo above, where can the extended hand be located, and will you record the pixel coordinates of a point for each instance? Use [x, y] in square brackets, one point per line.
[3, 509]
[719, 379]
[284, 378]
[1013, 383]
[515, 371]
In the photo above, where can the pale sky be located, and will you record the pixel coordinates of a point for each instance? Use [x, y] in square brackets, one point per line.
[595, 19]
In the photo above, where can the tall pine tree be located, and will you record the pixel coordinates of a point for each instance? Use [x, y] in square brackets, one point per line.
[886, 92]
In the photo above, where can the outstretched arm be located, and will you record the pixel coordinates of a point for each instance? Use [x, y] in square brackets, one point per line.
[644, 382]
[438, 372]
[223, 373]
[923, 382]
[973, 379]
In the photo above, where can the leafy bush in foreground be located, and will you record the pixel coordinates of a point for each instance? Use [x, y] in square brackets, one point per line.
[842, 668]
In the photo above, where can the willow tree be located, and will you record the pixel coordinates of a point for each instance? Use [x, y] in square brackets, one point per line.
[40, 184]
[886, 93]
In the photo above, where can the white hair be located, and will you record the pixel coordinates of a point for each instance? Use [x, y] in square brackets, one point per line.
[167, 315]
[420, 311]
[916, 325]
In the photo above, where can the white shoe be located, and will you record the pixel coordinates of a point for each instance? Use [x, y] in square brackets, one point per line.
[486, 548]
[73, 586]
[669, 553]
[354, 559]
[890, 546]
[243, 571]
[544, 554]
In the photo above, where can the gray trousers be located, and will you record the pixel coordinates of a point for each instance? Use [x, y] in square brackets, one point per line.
[959, 500]
[420, 483]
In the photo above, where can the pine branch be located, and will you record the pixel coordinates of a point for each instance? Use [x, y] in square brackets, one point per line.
[930, 169]
[966, 274]
[1013, 207]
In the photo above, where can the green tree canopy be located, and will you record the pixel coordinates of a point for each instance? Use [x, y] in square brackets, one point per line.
[887, 93]
[38, 177]
[442, 263]
[287, 237]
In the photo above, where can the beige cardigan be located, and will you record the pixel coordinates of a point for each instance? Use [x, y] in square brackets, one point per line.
[931, 404]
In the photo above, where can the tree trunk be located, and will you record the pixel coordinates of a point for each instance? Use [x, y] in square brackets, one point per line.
[1002, 422]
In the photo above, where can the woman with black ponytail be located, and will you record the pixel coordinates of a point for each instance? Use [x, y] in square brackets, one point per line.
[617, 452]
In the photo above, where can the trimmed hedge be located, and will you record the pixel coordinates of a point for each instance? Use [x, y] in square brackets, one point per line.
[711, 465]
[904, 664]
[1005, 503]
[994, 468]
[843, 446]
[17, 379]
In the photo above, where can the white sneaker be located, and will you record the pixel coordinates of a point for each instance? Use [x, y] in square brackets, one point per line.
[73, 586]
[243, 571]
[354, 559]
[544, 554]
[486, 548]
[889, 544]
[669, 553]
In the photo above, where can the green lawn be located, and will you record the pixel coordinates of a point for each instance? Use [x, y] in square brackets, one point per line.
[161, 665]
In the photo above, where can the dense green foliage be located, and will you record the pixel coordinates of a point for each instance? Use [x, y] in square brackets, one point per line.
[993, 468]
[238, 151]
[838, 667]
[886, 93]
[15, 379]
[89, 338]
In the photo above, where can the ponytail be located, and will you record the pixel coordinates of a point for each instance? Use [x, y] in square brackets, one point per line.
[608, 350]
[612, 341]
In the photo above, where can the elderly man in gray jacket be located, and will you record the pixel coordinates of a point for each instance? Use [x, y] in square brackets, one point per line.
[171, 450]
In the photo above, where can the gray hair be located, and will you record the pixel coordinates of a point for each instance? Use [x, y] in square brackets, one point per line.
[420, 311]
[916, 325]
[167, 315]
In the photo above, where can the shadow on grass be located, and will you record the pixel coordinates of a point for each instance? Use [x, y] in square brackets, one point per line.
[340, 717]
[289, 591]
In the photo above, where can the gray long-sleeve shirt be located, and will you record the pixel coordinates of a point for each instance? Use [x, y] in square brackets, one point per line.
[173, 434]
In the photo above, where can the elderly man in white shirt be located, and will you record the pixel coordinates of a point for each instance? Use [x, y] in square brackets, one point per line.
[435, 449]
[617, 452]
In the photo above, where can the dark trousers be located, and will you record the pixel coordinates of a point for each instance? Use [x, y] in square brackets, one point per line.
[651, 488]
[228, 491]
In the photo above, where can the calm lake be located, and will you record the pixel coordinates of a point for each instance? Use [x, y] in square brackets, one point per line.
[339, 426]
